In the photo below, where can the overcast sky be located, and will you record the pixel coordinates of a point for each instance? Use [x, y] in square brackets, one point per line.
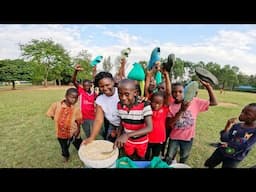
[224, 44]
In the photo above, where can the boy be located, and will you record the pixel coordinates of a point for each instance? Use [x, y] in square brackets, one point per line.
[68, 118]
[238, 137]
[182, 120]
[87, 98]
[136, 121]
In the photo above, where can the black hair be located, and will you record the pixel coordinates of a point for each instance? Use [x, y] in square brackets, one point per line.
[127, 81]
[102, 75]
[71, 90]
[177, 84]
[159, 93]
[86, 80]
[252, 104]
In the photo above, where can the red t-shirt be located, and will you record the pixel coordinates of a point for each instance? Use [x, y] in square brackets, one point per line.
[87, 103]
[158, 135]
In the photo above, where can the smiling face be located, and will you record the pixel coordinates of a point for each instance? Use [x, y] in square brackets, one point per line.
[127, 92]
[106, 86]
[157, 102]
[87, 86]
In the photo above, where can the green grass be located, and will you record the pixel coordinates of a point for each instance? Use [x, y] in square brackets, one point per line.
[28, 136]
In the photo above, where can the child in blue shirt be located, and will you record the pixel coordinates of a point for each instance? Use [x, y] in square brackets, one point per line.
[238, 138]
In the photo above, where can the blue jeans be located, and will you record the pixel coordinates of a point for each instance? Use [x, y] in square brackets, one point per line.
[174, 146]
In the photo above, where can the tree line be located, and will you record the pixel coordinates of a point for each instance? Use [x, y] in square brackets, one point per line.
[46, 60]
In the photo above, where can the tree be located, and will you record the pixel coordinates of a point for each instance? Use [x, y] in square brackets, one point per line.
[178, 69]
[107, 65]
[15, 70]
[47, 54]
[83, 58]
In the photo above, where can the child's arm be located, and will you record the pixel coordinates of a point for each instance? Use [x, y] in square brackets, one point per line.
[224, 134]
[79, 121]
[97, 124]
[120, 141]
[51, 111]
[212, 98]
[77, 68]
[168, 87]
[183, 108]
[148, 77]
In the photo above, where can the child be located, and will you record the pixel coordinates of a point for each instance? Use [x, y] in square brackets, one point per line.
[238, 137]
[68, 118]
[87, 98]
[182, 120]
[136, 121]
[160, 107]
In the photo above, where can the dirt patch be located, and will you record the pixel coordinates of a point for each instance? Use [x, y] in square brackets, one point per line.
[227, 104]
[34, 88]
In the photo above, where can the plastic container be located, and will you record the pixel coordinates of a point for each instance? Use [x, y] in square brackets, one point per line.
[89, 153]
[142, 164]
[179, 165]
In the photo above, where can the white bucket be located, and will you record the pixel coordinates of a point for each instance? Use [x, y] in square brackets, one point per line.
[92, 157]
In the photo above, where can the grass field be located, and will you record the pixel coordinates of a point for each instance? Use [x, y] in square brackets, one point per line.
[28, 136]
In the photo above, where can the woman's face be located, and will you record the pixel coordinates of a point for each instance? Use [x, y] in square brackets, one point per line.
[106, 86]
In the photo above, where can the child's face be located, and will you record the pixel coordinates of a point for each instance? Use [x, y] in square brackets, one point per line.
[87, 85]
[152, 84]
[248, 114]
[126, 94]
[106, 86]
[178, 93]
[71, 98]
[161, 87]
[157, 102]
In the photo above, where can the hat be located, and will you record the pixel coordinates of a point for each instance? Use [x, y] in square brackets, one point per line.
[206, 75]
[96, 61]
[155, 56]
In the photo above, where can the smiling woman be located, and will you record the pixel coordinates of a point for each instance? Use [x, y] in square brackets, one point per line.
[106, 107]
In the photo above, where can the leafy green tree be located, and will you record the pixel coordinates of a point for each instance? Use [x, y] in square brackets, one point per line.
[47, 54]
[178, 69]
[15, 70]
[83, 58]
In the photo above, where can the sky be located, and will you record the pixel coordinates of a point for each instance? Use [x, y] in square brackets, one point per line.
[225, 44]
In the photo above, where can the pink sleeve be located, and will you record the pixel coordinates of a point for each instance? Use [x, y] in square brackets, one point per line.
[202, 104]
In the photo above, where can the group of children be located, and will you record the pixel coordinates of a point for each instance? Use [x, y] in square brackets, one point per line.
[141, 125]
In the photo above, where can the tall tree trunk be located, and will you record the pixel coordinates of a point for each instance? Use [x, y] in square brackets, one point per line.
[45, 82]
[13, 85]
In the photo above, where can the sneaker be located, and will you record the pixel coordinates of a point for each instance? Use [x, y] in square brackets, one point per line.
[206, 76]
[167, 65]
[96, 61]
[190, 91]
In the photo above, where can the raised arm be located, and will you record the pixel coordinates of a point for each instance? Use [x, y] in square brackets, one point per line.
[77, 69]
[148, 78]
[212, 98]
[168, 89]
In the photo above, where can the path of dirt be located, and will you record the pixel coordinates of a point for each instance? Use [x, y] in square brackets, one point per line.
[224, 104]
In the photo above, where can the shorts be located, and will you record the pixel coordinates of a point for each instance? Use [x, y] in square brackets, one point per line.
[140, 149]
